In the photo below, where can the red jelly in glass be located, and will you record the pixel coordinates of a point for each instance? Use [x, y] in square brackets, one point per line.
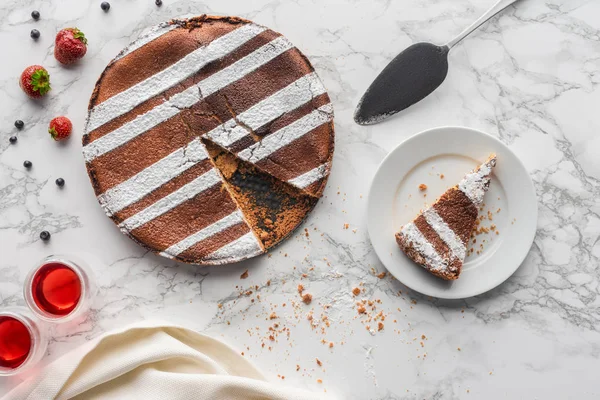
[15, 342]
[56, 289]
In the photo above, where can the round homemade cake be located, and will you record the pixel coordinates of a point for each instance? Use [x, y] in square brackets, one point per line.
[209, 139]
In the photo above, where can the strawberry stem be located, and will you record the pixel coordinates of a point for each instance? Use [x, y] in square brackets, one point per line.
[52, 133]
[40, 81]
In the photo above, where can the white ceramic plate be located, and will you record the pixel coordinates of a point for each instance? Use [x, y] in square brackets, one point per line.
[395, 199]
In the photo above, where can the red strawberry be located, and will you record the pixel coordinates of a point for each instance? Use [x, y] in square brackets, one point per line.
[60, 128]
[35, 81]
[70, 45]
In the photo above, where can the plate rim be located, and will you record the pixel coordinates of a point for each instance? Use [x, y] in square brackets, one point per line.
[529, 236]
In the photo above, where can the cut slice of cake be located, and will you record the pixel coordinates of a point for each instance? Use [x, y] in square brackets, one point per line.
[272, 207]
[437, 238]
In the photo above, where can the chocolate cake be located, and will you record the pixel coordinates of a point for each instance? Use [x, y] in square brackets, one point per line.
[209, 139]
[437, 238]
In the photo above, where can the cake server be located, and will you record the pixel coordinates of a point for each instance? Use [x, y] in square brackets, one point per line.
[412, 75]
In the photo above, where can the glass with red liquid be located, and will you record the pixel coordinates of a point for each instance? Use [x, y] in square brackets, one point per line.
[23, 341]
[59, 288]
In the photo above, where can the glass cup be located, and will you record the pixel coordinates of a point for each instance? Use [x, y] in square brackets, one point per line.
[23, 340]
[60, 288]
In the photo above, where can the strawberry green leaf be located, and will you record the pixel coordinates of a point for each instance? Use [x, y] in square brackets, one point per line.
[53, 133]
[40, 81]
[77, 34]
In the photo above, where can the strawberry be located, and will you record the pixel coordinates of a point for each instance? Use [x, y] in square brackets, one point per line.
[60, 128]
[35, 81]
[70, 45]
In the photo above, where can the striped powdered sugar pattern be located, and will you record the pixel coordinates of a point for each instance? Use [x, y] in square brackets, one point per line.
[157, 174]
[310, 177]
[422, 245]
[287, 134]
[226, 222]
[445, 233]
[185, 99]
[125, 101]
[167, 203]
[133, 189]
[473, 185]
[247, 245]
[287, 99]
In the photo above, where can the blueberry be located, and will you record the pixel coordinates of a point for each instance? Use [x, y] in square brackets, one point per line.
[105, 5]
[27, 164]
[19, 124]
[35, 34]
[13, 140]
[35, 15]
[60, 182]
[45, 235]
[158, 2]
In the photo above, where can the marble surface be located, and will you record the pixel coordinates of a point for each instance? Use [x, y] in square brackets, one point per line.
[530, 77]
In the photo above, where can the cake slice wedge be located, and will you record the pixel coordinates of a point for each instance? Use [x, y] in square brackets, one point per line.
[437, 238]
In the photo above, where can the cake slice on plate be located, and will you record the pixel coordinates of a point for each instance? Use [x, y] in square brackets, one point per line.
[437, 238]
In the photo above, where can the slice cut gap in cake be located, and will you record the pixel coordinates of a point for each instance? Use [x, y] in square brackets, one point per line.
[272, 207]
[437, 238]
[295, 146]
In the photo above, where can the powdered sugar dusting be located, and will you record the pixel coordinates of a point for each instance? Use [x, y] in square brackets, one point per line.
[425, 249]
[167, 203]
[188, 98]
[476, 183]
[245, 247]
[287, 134]
[230, 220]
[267, 110]
[445, 233]
[153, 177]
[127, 100]
[310, 177]
[143, 40]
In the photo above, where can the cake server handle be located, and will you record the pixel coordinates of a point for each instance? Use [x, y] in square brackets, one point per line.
[496, 8]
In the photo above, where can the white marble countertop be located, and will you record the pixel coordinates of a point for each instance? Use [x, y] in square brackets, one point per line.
[530, 77]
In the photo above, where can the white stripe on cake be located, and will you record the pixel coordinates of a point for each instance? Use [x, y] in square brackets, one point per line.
[143, 40]
[475, 184]
[153, 177]
[174, 199]
[310, 177]
[425, 249]
[287, 134]
[247, 246]
[267, 110]
[445, 233]
[129, 131]
[185, 67]
[186, 99]
[232, 219]
[244, 66]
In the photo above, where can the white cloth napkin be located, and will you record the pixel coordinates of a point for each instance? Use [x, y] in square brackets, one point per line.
[153, 360]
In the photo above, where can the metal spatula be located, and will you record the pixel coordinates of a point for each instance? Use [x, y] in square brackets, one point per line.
[412, 75]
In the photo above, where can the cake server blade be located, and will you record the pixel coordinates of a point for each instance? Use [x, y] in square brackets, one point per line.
[412, 75]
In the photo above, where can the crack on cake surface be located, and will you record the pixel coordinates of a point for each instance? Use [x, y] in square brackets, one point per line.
[272, 207]
[239, 122]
